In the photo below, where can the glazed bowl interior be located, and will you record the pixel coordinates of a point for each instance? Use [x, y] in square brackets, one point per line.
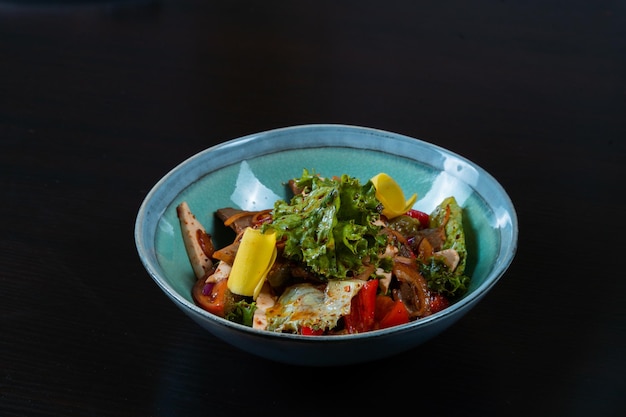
[251, 173]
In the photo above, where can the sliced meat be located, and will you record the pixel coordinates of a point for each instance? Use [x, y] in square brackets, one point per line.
[198, 243]
[436, 237]
[236, 219]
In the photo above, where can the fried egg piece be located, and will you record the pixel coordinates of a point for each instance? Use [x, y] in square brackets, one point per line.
[308, 305]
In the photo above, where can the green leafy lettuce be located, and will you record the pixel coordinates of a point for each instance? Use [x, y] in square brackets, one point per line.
[329, 226]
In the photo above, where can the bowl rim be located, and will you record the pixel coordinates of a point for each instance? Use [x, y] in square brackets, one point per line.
[506, 252]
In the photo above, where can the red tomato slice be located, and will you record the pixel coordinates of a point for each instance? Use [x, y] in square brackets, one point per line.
[211, 297]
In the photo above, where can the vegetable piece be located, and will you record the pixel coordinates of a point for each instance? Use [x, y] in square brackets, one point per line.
[413, 291]
[390, 313]
[212, 297]
[309, 331]
[384, 303]
[423, 218]
[406, 225]
[445, 270]
[389, 193]
[438, 302]
[450, 215]
[255, 257]
[197, 241]
[241, 312]
[441, 280]
[362, 309]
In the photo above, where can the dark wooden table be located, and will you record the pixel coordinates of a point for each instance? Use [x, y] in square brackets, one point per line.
[99, 100]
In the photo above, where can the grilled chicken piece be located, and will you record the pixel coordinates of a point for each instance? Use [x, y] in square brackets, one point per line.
[198, 243]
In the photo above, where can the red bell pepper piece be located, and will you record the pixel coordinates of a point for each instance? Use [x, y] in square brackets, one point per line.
[362, 309]
[309, 331]
[390, 313]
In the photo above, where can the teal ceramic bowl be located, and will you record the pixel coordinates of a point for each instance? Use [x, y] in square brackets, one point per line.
[250, 173]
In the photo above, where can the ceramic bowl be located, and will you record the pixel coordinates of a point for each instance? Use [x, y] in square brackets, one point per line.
[250, 173]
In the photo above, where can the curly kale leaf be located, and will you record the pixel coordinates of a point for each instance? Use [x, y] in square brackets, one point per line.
[440, 279]
[242, 312]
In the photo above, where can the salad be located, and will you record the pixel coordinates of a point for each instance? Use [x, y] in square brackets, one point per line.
[339, 257]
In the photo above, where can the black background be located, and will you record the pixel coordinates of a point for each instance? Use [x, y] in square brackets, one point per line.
[98, 100]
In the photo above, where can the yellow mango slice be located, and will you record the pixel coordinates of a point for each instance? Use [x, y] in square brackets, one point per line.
[255, 257]
[389, 193]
